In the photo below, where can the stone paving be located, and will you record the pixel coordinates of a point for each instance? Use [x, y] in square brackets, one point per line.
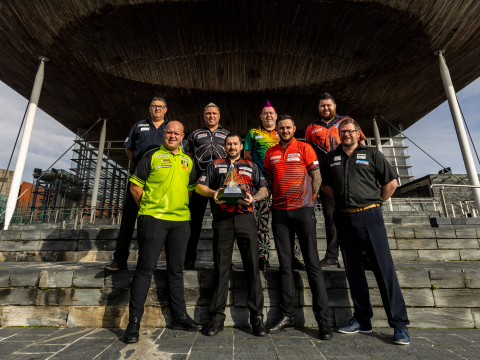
[32, 343]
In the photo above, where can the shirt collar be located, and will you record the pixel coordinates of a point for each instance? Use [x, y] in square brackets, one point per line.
[218, 128]
[292, 143]
[150, 122]
[339, 148]
[180, 152]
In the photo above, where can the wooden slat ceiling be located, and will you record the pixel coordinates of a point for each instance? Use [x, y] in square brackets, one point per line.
[110, 57]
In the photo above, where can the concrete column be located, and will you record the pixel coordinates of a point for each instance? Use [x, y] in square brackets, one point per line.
[378, 143]
[22, 152]
[459, 128]
[98, 169]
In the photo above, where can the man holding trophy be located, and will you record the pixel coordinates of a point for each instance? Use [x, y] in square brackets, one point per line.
[231, 181]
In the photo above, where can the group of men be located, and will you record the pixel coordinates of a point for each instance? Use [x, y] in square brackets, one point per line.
[170, 188]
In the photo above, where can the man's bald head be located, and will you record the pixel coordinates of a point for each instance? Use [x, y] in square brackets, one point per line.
[173, 135]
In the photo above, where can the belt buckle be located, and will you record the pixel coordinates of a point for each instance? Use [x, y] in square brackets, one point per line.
[350, 211]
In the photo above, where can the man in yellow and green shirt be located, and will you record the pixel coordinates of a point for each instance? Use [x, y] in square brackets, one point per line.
[257, 142]
[161, 185]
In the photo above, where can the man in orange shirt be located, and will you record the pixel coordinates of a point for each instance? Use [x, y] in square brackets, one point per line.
[293, 175]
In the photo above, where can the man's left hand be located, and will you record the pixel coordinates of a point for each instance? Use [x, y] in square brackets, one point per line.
[246, 201]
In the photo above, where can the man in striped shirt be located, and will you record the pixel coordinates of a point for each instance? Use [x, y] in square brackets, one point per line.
[293, 175]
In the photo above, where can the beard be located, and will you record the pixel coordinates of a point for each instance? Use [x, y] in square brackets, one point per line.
[332, 114]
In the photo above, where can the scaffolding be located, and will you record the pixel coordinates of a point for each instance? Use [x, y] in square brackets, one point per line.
[113, 178]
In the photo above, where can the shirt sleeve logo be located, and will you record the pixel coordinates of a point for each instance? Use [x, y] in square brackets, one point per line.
[363, 162]
[361, 156]
[315, 162]
[126, 140]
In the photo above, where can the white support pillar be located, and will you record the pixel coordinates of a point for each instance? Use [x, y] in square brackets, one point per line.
[378, 144]
[459, 128]
[22, 152]
[98, 169]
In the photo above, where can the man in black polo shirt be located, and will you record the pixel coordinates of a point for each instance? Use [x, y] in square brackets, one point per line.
[360, 179]
[204, 146]
[230, 222]
[143, 136]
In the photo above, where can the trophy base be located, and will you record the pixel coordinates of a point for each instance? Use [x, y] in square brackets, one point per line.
[231, 195]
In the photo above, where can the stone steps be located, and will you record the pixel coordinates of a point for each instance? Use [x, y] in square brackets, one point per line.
[85, 295]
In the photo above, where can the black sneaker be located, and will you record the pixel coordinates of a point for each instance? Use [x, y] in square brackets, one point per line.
[258, 327]
[189, 264]
[297, 264]
[283, 323]
[185, 322]
[329, 262]
[263, 263]
[324, 330]
[132, 332]
[115, 266]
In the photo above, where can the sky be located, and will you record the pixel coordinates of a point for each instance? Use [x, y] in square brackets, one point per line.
[435, 133]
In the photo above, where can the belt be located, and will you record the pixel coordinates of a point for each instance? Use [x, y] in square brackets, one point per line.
[355, 210]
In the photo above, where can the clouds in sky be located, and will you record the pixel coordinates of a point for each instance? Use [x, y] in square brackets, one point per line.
[435, 133]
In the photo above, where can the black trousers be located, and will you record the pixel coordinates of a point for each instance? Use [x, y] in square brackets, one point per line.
[197, 206]
[129, 216]
[328, 207]
[243, 227]
[302, 222]
[152, 235]
[365, 231]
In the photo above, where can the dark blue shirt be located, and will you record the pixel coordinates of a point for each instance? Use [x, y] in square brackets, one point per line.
[143, 136]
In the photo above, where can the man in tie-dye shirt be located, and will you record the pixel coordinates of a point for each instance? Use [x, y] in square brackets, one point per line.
[257, 142]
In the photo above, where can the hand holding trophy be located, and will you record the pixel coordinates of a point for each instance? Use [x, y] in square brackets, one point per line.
[231, 189]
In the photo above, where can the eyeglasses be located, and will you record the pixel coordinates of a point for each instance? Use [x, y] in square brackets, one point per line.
[157, 107]
[345, 132]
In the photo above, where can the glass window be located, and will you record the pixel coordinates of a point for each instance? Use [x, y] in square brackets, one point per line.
[386, 142]
[398, 142]
[387, 151]
[400, 152]
[402, 161]
[403, 171]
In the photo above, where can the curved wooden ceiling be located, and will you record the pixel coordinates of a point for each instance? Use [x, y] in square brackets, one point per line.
[109, 58]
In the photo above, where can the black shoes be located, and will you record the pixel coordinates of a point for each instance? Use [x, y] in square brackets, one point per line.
[214, 327]
[186, 323]
[282, 324]
[258, 327]
[297, 264]
[114, 266]
[263, 263]
[329, 262]
[324, 330]
[131, 333]
[189, 264]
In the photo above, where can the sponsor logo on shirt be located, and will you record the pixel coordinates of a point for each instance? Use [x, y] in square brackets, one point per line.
[202, 178]
[221, 136]
[262, 178]
[361, 156]
[220, 166]
[276, 135]
[185, 168]
[274, 161]
[184, 163]
[258, 137]
[335, 164]
[144, 129]
[275, 157]
[199, 136]
[245, 173]
[142, 124]
[293, 159]
[336, 125]
[337, 158]
[222, 171]
[363, 162]
[314, 131]
[184, 158]
[315, 162]
[163, 166]
[245, 168]
[126, 140]
[290, 155]
[162, 155]
[165, 161]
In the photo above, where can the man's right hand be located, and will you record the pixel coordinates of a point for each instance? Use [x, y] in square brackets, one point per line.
[215, 197]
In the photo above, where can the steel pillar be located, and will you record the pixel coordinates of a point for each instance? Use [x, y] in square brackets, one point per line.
[22, 152]
[98, 169]
[459, 128]
[378, 143]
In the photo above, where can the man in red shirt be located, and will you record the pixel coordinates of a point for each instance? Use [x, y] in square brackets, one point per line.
[293, 176]
[322, 134]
